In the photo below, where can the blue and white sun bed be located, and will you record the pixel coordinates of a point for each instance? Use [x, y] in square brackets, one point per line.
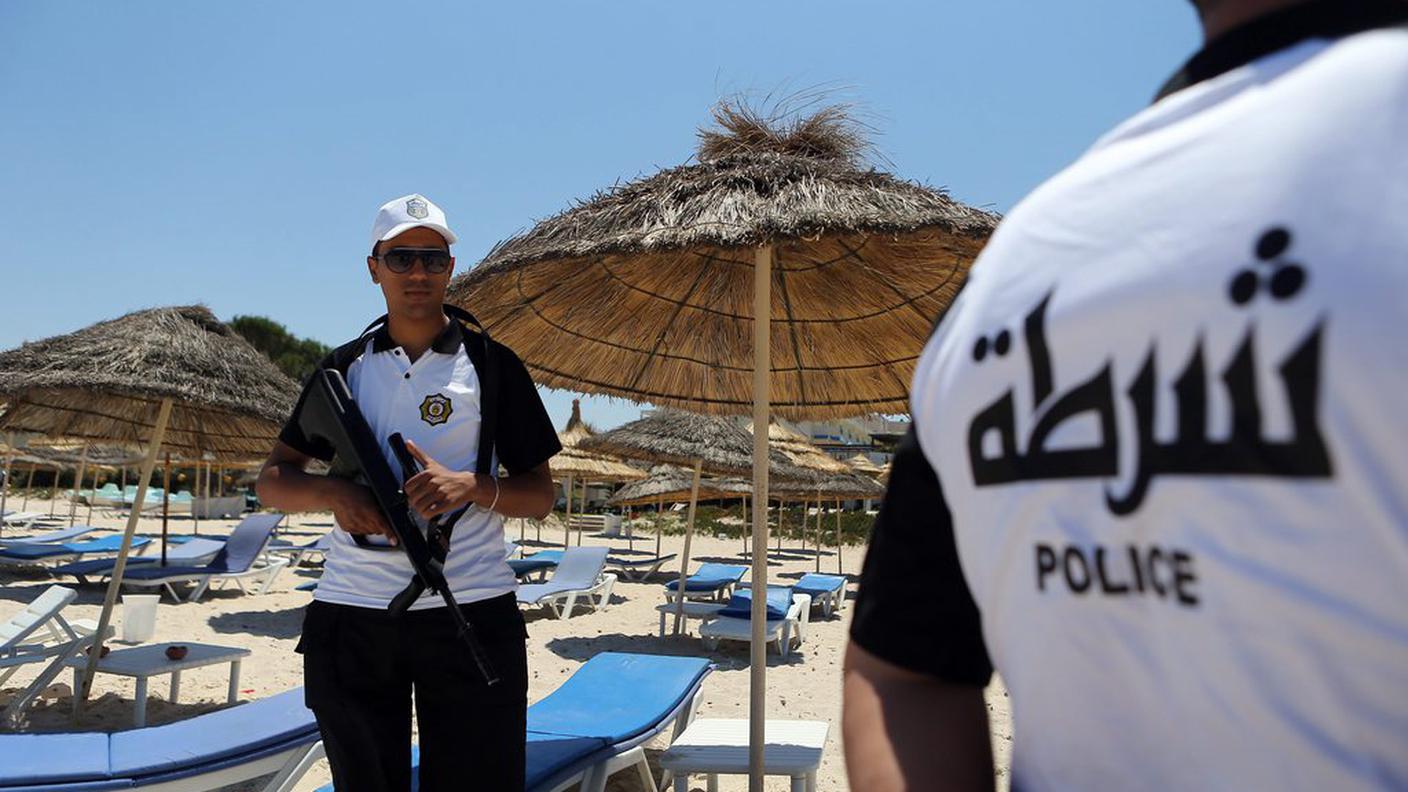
[238, 559]
[54, 552]
[577, 577]
[273, 735]
[537, 564]
[711, 580]
[192, 551]
[787, 617]
[598, 720]
[829, 591]
[61, 535]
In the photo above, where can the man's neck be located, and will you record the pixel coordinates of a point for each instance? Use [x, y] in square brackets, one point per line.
[415, 334]
[1220, 16]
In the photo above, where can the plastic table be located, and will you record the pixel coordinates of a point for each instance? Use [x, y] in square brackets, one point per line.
[144, 662]
[719, 746]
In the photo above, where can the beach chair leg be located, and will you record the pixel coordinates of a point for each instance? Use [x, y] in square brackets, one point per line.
[294, 770]
[713, 782]
[682, 782]
[568, 606]
[662, 631]
[647, 778]
[199, 590]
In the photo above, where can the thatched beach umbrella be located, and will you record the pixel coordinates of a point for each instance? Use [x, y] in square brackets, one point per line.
[861, 464]
[176, 377]
[704, 443]
[671, 484]
[839, 487]
[778, 274]
[585, 466]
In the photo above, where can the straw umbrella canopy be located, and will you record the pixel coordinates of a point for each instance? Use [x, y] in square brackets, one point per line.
[164, 376]
[861, 463]
[671, 484]
[779, 273]
[839, 487]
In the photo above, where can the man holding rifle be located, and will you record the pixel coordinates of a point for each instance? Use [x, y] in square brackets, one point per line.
[428, 377]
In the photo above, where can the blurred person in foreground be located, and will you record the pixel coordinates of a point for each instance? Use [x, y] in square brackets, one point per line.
[1158, 476]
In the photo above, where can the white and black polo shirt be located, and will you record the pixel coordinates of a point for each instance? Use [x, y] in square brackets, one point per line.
[433, 402]
[1161, 471]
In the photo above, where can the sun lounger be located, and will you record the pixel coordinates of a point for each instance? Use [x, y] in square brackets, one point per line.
[638, 568]
[788, 614]
[538, 563]
[827, 590]
[56, 552]
[237, 560]
[193, 551]
[210, 751]
[38, 634]
[598, 720]
[578, 575]
[298, 553]
[712, 580]
[19, 519]
[62, 535]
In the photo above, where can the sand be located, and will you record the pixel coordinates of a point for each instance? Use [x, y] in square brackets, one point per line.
[806, 685]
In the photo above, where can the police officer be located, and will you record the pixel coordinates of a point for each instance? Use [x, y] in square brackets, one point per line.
[1157, 473]
[420, 372]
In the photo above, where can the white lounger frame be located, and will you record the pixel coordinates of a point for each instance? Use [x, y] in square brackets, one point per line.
[779, 631]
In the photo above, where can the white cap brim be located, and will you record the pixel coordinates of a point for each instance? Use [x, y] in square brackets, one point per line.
[400, 228]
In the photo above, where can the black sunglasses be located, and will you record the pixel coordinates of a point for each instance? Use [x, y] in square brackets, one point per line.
[401, 260]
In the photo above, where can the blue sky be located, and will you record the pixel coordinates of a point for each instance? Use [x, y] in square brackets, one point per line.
[234, 153]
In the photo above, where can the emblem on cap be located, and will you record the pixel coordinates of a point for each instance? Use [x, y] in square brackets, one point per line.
[416, 208]
[436, 409]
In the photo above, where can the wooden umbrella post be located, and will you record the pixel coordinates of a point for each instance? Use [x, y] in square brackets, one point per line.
[659, 517]
[839, 568]
[85, 686]
[818, 531]
[684, 556]
[746, 527]
[762, 402]
[165, 502]
[28, 486]
[77, 485]
[9, 457]
[567, 524]
[88, 515]
[583, 510]
[54, 492]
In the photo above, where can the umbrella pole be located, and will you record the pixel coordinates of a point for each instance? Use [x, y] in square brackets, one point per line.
[85, 685]
[77, 485]
[684, 559]
[758, 648]
[88, 515]
[28, 486]
[746, 527]
[659, 508]
[9, 457]
[567, 525]
[165, 502]
[55, 492]
[582, 510]
[838, 538]
[818, 532]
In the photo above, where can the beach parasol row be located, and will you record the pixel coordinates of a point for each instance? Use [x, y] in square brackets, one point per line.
[176, 377]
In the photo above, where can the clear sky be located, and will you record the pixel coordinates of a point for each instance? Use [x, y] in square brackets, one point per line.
[233, 153]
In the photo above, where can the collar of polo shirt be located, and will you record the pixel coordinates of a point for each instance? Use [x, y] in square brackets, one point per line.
[449, 340]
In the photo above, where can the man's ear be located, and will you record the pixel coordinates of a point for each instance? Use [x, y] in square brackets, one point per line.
[371, 270]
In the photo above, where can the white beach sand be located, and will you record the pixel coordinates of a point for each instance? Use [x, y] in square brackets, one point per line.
[804, 686]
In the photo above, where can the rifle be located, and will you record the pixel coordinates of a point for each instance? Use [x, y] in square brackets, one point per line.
[330, 414]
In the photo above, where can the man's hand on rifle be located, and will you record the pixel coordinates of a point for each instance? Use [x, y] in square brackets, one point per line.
[437, 490]
[356, 511]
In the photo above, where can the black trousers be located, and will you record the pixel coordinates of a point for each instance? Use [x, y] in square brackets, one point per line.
[362, 665]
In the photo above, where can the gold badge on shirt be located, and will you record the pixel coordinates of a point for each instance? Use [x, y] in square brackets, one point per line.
[436, 409]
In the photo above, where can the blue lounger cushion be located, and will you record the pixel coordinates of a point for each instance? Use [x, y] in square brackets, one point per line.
[710, 577]
[235, 732]
[107, 544]
[617, 696]
[187, 551]
[527, 566]
[38, 759]
[97, 761]
[740, 605]
[813, 584]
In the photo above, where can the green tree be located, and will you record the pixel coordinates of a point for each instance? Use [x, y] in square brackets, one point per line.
[296, 357]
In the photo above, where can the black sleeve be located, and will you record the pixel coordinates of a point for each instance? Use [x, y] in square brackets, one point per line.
[913, 607]
[525, 437]
[292, 435]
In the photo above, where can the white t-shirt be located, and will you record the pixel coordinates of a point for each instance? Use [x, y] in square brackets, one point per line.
[1168, 416]
[435, 403]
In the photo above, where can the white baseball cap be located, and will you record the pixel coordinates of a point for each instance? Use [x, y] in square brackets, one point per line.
[409, 211]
